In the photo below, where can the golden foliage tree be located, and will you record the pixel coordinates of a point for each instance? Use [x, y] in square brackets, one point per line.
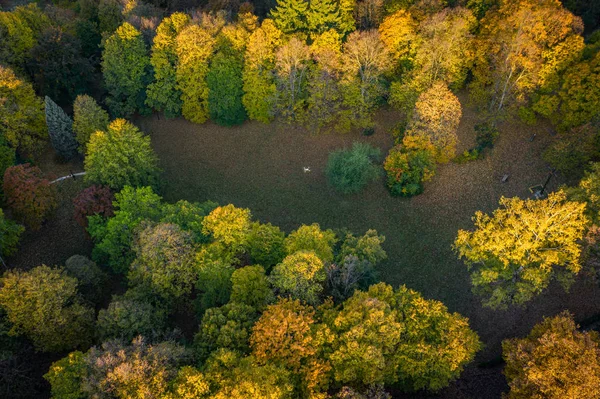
[435, 118]
[554, 361]
[514, 253]
[522, 46]
[291, 67]
[194, 48]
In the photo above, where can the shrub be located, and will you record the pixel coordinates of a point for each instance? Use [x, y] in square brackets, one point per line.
[90, 278]
[408, 169]
[29, 194]
[486, 135]
[351, 170]
[43, 305]
[94, 200]
[10, 234]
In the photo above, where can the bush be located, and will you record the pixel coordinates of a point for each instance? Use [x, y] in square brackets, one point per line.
[94, 200]
[350, 170]
[10, 234]
[89, 276]
[29, 194]
[486, 135]
[408, 169]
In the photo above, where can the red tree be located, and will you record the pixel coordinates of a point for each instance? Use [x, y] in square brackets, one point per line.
[29, 194]
[94, 200]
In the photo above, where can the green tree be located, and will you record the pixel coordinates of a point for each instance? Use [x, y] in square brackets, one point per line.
[225, 82]
[10, 234]
[189, 216]
[164, 261]
[126, 318]
[408, 168]
[90, 278]
[588, 191]
[125, 66]
[300, 276]
[311, 238]
[289, 16]
[194, 48]
[110, 16]
[322, 15]
[22, 118]
[250, 286]
[387, 336]
[88, 118]
[555, 360]
[514, 253]
[364, 248]
[60, 130]
[113, 237]
[227, 327]
[189, 384]
[350, 170]
[66, 376]
[43, 305]
[259, 84]
[121, 156]
[17, 39]
[163, 94]
[265, 244]
[214, 281]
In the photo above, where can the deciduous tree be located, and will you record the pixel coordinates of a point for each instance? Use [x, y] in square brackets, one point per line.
[43, 305]
[265, 244]
[125, 66]
[225, 82]
[514, 253]
[250, 286]
[29, 195]
[300, 276]
[291, 67]
[163, 94]
[88, 118]
[121, 156]
[555, 360]
[289, 16]
[311, 238]
[93, 200]
[10, 234]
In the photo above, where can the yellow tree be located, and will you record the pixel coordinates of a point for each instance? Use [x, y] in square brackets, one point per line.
[514, 253]
[435, 118]
[398, 33]
[194, 48]
[260, 91]
[291, 67]
[522, 46]
[288, 335]
[554, 361]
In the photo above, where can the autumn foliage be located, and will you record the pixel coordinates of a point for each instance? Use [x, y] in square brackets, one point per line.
[94, 200]
[29, 194]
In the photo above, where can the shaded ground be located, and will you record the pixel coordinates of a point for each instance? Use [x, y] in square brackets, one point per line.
[260, 167]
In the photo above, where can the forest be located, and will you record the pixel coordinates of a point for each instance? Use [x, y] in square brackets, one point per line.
[299, 199]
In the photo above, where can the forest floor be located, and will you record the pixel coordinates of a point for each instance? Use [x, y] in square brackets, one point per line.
[261, 167]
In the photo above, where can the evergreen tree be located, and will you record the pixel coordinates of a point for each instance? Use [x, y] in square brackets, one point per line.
[290, 15]
[60, 129]
[323, 15]
[125, 64]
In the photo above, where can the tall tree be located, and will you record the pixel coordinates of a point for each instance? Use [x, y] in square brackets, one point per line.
[121, 156]
[21, 114]
[291, 66]
[10, 234]
[125, 65]
[522, 45]
[554, 361]
[435, 118]
[289, 16]
[321, 16]
[514, 253]
[364, 62]
[163, 94]
[225, 82]
[260, 90]
[60, 130]
[300, 276]
[194, 48]
[88, 118]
